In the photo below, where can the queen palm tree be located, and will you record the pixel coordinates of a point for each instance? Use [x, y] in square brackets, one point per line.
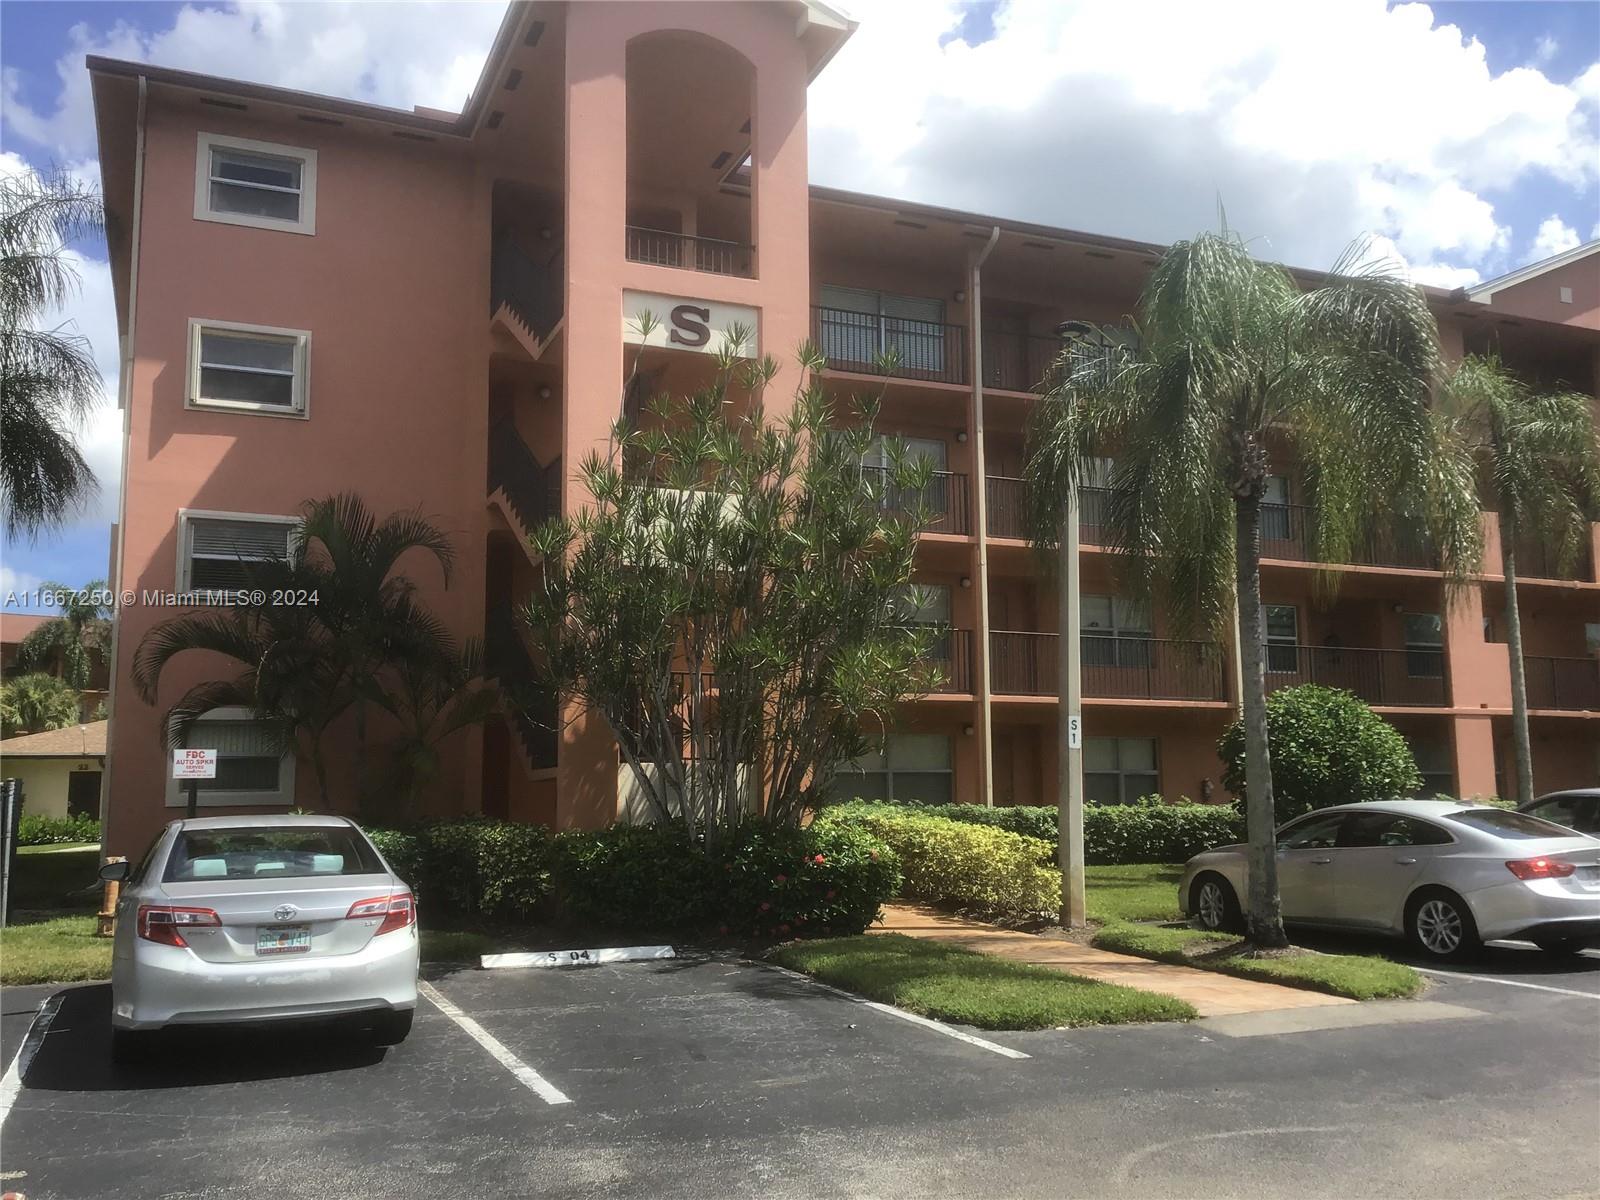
[1236, 361]
[303, 666]
[48, 378]
[1538, 462]
[70, 640]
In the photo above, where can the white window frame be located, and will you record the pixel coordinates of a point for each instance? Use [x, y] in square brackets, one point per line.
[307, 224]
[301, 338]
[283, 795]
[188, 515]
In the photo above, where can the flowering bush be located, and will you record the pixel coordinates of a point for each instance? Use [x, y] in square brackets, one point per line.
[37, 829]
[473, 868]
[779, 882]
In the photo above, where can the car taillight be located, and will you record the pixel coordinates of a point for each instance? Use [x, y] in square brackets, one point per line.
[159, 923]
[397, 911]
[1540, 868]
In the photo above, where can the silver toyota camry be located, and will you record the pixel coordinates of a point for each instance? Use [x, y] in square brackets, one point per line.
[1448, 876]
[261, 918]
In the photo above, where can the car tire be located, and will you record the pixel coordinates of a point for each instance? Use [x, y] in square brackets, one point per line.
[131, 1047]
[392, 1028]
[1213, 904]
[1439, 924]
[1563, 947]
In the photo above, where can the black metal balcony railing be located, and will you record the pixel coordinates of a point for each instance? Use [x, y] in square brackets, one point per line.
[530, 289]
[1405, 678]
[715, 256]
[1563, 683]
[1539, 559]
[533, 492]
[853, 341]
[1122, 668]
[533, 709]
[952, 655]
[943, 500]
[1288, 532]
[1006, 496]
[1017, 362]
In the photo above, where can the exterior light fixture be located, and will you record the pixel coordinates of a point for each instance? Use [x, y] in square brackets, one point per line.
[544, 391]
[968, 730]
[961, 297]
[966, 581]
[961, 435]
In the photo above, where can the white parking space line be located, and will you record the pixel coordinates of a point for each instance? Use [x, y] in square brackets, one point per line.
[526, 1075]
[11, 1083]
[926, 1022]
[1538, 987]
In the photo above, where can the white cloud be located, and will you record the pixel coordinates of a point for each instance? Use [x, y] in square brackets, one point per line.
[1313, 122]
[1554, 237]
[19, 582]
[395, 54]
[1545, 48]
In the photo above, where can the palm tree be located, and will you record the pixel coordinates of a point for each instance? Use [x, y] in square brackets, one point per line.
[1537, 458]
[70, 640]
[1234, 361]
[48, 379]
[305, 665]
[432, 699]
[35, 704]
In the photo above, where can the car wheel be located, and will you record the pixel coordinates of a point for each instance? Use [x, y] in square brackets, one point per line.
[1440, 924]
[130, 1047]
[1213, 904]
[1565, 947]
[392, 1028]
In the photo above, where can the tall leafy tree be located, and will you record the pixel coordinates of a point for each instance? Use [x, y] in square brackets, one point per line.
[71, 641]
[731, 605]
[48, 379]
[1537, 459]
[1235, 362]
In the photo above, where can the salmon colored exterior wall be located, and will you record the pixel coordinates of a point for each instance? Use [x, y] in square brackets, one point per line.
[407, 376]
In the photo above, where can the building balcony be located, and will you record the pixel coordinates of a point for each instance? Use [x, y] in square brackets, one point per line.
[689, 253]
[1570, 684]
[951, 655]
[1397, 678]
[1538, 559]
[1288, 532]
[1017, 362]
[1006, 496]
[944, 500]
[1024, 664]
[857, 341]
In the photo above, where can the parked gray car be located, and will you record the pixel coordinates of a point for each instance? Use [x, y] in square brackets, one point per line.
[261, 918]
[1576, 808]
[1446, 875]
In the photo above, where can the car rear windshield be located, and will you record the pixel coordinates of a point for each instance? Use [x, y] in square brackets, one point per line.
[1506, 824]
[270, 853]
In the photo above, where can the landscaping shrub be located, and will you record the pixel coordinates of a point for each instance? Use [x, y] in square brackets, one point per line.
[975, 868]
[1113, 834]
[472, 869]
[641, 876]
[38, 830]
[1327, 748]
[781, 882]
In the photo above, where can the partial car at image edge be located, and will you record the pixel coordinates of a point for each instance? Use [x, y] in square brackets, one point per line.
[1446, 876]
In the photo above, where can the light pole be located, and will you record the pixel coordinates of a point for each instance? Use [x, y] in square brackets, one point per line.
[1069, 716]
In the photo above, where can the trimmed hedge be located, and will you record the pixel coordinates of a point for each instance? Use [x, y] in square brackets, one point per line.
[979, 869]
[36, 829]
[1113, 834]
[766, 881]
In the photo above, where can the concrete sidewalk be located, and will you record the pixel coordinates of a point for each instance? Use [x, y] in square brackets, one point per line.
[1212, 995]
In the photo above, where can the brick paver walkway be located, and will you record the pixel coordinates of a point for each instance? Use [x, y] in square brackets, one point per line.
[1212, 995]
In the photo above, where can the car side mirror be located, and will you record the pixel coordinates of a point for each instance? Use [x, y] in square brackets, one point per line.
[116, 872]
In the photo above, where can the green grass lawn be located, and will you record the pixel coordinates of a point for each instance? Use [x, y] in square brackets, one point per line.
[57, 950]
[1358, 976]
[1138, 892]
[56, 877]
[953, 984]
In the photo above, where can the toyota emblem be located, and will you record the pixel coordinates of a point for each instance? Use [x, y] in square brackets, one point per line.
[285, 912]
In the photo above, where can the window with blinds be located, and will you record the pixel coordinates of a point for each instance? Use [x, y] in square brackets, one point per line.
[218, 551]
[248, 367]
[857, 325]
[248, 759]
[240, 181]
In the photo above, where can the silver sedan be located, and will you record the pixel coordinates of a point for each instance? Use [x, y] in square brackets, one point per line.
[1447, 876]
[261, 918]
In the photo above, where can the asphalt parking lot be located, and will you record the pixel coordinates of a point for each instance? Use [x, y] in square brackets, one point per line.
[708, 1076]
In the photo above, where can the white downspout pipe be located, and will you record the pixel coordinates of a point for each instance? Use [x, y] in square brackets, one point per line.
[981, 491]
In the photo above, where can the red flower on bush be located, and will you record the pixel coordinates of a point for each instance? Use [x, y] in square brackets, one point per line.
[782, 879]
[765, 906]
[819, 860]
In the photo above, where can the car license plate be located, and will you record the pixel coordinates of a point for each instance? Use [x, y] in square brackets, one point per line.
[283, 939]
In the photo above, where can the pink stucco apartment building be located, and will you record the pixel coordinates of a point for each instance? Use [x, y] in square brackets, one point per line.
[431, 309]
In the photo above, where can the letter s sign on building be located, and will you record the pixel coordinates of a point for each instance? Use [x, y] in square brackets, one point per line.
[684, 323]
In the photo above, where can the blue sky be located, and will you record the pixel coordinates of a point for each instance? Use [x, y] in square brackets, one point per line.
[1465, 135]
